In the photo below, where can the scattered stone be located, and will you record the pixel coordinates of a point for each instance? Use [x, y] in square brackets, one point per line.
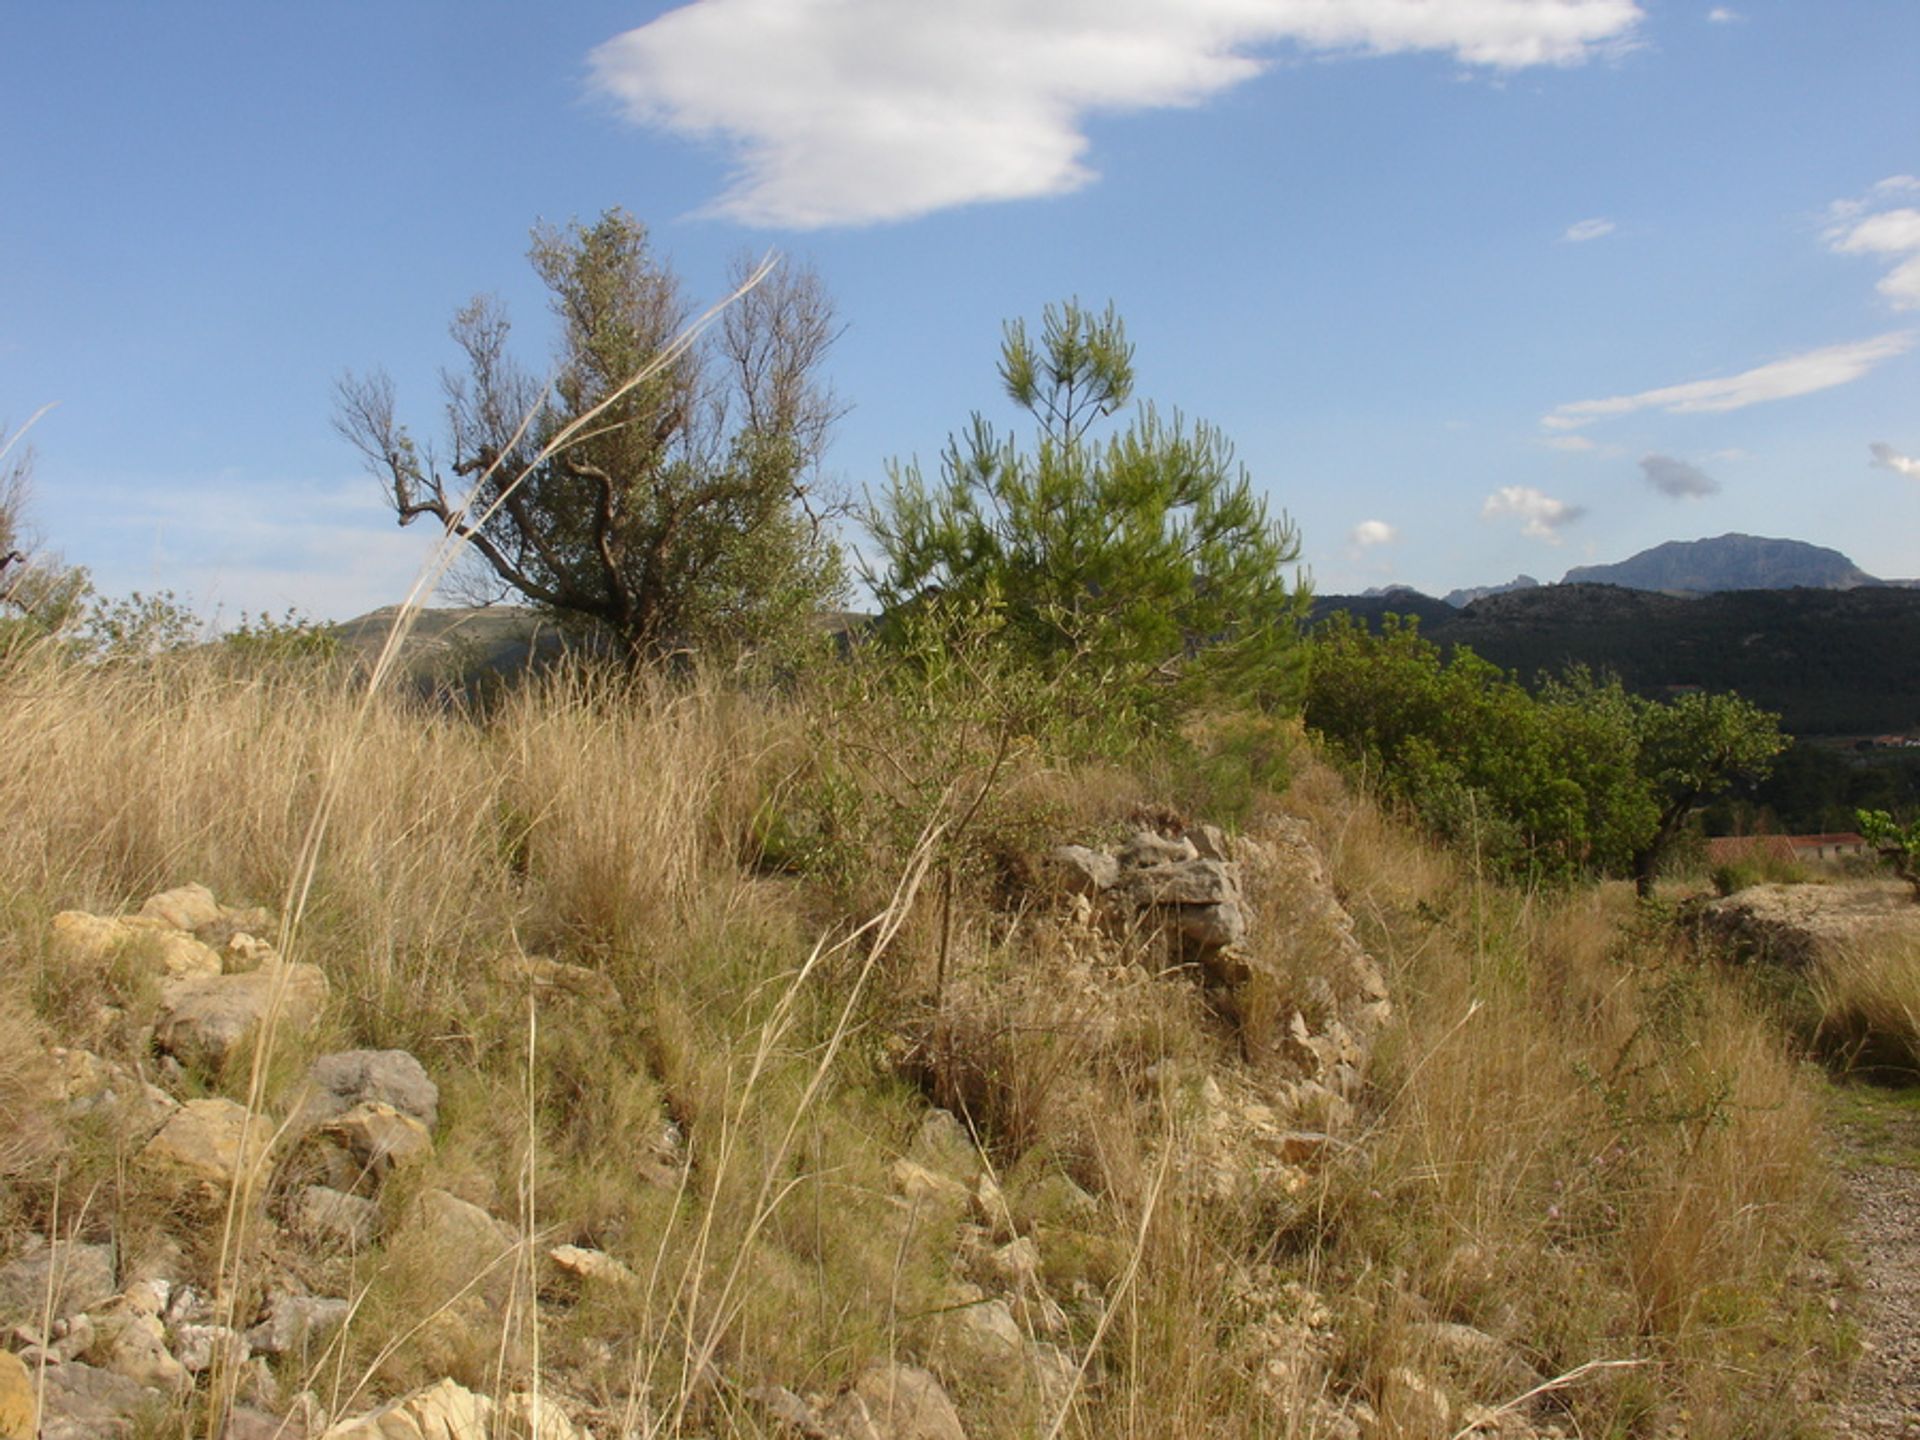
[1084, 871]
[591, 1265]
[349, 1078]
[991, 1209]
[443, 1411]
[84, 1402]
[75, 938]
[147, 1297]
[449, 1411]
[200, 1347]
[244, 1422]
[461, 1228]
[790, 1410]
[942, 1143]
[1017, 1263]
[539, 1419]
[186, 908]
[380, 1138]
[135, 1346]
[894, 1402]
[297, 1324]
[917, 1184]
[207, 1020]
[201, 1146]
[337, 1217]
[81, 1276]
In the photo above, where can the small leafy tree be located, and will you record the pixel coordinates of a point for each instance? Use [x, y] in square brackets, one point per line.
[1898, 845]
[1580, 777]
[679, 517]
[1145, 559]
[1691, 749]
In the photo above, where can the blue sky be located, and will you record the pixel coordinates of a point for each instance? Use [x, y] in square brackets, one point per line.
[1476, 286]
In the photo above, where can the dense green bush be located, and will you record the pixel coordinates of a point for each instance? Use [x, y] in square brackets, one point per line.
[1579, 777]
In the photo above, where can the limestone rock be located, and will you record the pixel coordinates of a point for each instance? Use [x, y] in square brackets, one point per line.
[19, 1415]
[461, 1228]
[894, 1402]
[1017, 1263]
[81, 1276]
[790, 1410]
[448, 1411]
[199, 1347]
[186, 908]
[348, 1078]
[1084, 871]
[84, 1402]
[592, 1265]
[380, 1138]
[919, 1185]
[297, 1324]
[76, 938]
[444, 1411]
[206, 1020]
[206, 1145]
[135, 1346]
[336, 1217]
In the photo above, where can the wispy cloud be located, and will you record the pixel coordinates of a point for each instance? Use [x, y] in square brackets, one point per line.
[1584, 230]
[1576, 444]
[1859, 227]
[1676, 478]
[1802, 374]
[1541, 515]
[1369, 533]
[1724, 15]
[858, 111]
[1886, 457]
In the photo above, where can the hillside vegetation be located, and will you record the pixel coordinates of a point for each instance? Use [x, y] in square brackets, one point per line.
[774, 997]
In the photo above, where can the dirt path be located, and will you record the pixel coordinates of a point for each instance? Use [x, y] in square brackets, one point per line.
[1880, 1163]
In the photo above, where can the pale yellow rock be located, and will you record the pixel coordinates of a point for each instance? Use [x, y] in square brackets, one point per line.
[77, 938]
[444, 1411]
[916, 1183]
[201, 1145]
[380, 1137]
[179, 957]
[187, 907]
[595, 1265]
[19, 1420]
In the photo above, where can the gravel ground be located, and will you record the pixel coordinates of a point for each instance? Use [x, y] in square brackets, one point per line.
[1884, 1184]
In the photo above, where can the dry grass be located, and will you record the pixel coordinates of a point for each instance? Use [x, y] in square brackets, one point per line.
[1867, 1007]
[1576, 1141]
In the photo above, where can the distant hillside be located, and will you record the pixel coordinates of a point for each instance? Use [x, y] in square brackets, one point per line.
[1728, 562]
[1458, 598]
[1831, 662]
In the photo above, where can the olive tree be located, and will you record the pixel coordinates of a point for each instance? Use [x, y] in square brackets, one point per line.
[1143, 557]
[661, 495]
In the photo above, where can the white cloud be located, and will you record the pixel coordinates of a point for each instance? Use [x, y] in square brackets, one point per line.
[1588, 229]
[1854, 227]
[846, 112]
[1724, 15]
[1369, 533]
[1542, 514]
[1574, 443]
[1885, 457]
[1676, 478]
[1802, 374]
